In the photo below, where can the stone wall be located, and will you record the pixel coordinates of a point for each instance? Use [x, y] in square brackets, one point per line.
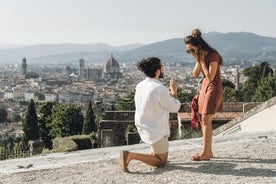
[115, 125]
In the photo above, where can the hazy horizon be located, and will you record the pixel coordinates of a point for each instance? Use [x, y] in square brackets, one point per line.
[12, 46]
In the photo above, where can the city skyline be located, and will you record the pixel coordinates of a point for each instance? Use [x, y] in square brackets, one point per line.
[125, 22]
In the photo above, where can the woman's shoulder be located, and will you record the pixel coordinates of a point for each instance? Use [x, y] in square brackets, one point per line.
[213, 53]
[214, 56]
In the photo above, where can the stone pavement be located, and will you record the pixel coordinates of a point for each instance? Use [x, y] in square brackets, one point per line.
[239, 158]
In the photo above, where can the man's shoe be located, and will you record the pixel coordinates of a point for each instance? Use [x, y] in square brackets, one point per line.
[123, 160]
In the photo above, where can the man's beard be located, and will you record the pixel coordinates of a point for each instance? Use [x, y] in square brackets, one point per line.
[161, 75]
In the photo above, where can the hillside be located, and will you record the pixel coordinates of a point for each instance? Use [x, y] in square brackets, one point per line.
[234, 47]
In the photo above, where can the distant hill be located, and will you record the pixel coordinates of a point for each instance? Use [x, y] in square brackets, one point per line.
[236, 48]
[54, 52]
[243, 46]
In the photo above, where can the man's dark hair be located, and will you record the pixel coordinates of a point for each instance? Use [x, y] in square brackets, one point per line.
[149, 66]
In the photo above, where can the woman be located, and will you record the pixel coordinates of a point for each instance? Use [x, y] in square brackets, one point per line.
[208, 62]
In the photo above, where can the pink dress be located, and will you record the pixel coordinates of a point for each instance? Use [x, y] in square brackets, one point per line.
[210, 97]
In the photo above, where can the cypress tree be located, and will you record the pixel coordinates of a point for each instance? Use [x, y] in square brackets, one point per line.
[89, 120]
[3, 114]
[30, 124]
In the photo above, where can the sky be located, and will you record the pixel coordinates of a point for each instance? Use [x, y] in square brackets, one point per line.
[122, 22]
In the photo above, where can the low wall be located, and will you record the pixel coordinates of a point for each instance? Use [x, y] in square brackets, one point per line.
[260, 118]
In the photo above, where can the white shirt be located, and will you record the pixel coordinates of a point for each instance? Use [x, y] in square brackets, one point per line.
[153, 104]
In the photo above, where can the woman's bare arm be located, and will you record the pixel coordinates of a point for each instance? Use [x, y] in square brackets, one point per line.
[211, 71]
[197, 70]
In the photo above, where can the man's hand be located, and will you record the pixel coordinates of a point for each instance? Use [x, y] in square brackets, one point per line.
[173, 88]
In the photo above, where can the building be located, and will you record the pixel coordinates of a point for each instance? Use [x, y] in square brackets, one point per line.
[29, 95]
[18, 94]
[8, 95]
[25, 74]
[50, 97]
[93, 74]
[24, 66]
[111, 69]
[81, 62]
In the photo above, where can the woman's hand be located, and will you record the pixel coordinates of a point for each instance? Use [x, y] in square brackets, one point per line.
[197, 69]
[211, 71]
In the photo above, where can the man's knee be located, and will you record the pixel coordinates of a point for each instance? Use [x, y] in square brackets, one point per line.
[163, 163]
[163, 159]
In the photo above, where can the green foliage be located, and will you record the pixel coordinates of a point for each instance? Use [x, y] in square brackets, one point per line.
[231, 95]
[44, 119]
[249, 89]
[9, 149]
[30, 124]
[95, 139]
[64, 144]
[183, 96]
[3, 114]
[89, 124]
[259, 71]
[67, 119]
[255, 74]
[16, 118]
[7, 144]
[126, 103]
[83, 142]
[131, 128]
[40, 96]
[266, 89]
[72, 143]
[228, 84]
[119, 134]
[188, 133]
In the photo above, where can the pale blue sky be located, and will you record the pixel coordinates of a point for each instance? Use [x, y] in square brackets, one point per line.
[119, 22]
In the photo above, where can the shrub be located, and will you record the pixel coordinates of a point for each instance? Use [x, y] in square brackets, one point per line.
[64, 144]
[71, 143]
[188, 133]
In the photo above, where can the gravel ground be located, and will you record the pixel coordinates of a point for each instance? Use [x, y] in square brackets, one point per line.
[238, 159]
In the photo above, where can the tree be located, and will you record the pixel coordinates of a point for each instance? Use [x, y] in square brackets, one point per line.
[185, 97]
[126, 103]
[231, 95]
[254, 74]
[3, 114]
[227, 83]
[259, 71]
[266, 89]
[67, 120]
[30, 124]
[89, 124]
[16, 118]
[44, 119]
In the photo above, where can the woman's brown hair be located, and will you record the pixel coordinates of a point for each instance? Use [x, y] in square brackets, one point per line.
[196, 40]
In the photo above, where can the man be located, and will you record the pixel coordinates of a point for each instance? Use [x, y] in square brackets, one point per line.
[153, 103]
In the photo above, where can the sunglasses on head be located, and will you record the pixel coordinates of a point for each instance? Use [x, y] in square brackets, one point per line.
[191, 51]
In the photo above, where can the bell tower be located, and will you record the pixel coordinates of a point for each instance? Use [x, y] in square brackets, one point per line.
[24, 66]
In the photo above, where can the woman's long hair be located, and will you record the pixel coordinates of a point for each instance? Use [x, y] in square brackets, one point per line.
[196, 40]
